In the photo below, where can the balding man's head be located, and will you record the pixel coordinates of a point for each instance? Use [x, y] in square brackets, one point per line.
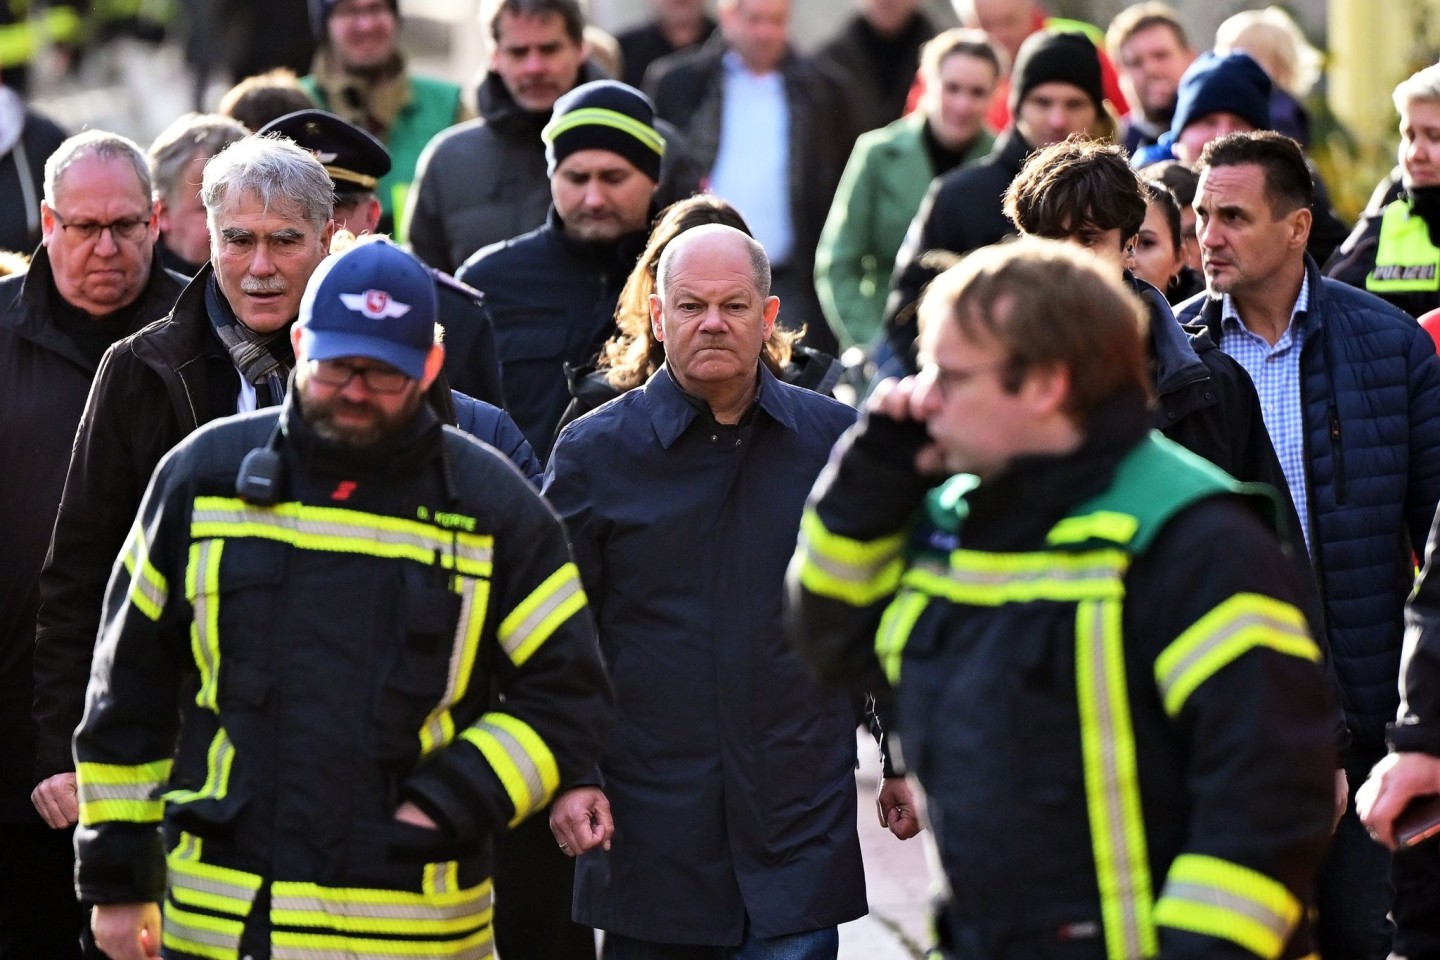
[713, 314]
[717, 236]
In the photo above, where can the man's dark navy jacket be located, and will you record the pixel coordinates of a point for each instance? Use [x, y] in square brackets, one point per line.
[729, 771]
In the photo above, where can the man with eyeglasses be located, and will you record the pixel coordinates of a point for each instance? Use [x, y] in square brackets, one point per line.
[1104, 681]
[380, 649]
[93, 280]
[223, 349]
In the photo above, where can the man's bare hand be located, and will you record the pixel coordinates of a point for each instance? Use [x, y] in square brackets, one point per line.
[1395, 781]
[1342, 797]
[580, 820]
[896, 804]
[55, 800]
[127, 931]
[407, 812]
[902, 400]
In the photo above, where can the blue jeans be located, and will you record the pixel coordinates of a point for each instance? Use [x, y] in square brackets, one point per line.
[821, 944]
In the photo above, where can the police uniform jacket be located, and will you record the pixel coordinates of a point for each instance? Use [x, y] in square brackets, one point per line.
[1104, 685]
[730, 773]
[401, 624]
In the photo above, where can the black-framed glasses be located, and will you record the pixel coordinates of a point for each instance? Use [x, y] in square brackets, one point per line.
[334, 373]
[129, 228]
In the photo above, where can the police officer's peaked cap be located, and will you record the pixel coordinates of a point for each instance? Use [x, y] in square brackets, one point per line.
[354, 159]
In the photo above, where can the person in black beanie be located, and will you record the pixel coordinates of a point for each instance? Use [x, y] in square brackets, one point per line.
[552, 291]
[1395, 249]
[1055, 91]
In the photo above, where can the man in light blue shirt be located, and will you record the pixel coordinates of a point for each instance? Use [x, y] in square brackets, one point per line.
[1350, 392]
[774, 131]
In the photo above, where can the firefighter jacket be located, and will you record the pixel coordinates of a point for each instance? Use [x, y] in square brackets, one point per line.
[1104, 686]
[402, 625]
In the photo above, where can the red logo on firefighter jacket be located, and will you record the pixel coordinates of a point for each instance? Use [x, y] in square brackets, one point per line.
[343, 490]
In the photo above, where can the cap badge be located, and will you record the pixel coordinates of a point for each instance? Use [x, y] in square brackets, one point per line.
[375, 304]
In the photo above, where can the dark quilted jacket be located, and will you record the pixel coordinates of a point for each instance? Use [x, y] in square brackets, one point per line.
[1371, 388]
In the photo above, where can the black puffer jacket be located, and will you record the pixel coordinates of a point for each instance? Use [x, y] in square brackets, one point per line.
[484, 181]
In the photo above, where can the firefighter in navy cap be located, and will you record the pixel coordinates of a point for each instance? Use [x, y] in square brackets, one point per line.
[356, 162]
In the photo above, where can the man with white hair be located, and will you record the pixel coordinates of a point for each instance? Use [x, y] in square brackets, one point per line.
[223, 349]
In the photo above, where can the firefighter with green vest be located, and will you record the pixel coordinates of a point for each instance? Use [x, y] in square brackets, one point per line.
[1394, 251]
[360, 74]
[1102, 681]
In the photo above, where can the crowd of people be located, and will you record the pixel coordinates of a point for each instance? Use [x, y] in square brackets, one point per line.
[451, 523]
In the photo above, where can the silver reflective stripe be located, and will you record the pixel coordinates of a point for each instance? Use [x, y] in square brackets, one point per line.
[563, 592]
[1193, 892]
[1125, 872]
[280, 950]
[524, 765]
[1235, 626]
[459, 910]
[177, 926]
[309, 526]
[92, 792]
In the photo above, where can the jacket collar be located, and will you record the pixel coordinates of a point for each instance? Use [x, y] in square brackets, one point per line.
[1176, 362]
[1210, 307]
[671, 414]
[1010, 150]
[38, 295]
[495, 104]
[620, 255]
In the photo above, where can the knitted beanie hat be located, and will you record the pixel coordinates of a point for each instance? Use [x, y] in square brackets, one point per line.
[1233, 83]
[605, 115]
[1048, 57]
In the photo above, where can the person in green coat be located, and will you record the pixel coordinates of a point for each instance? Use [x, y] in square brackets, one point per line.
[889, 172]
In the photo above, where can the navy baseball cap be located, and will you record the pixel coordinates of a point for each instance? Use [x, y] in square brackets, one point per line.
[375, 301]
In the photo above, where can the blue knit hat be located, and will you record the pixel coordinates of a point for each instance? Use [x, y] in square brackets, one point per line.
[1233, 83]
[374, 301]
[605, 115]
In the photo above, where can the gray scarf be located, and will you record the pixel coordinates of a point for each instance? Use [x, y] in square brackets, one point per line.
[249, 351]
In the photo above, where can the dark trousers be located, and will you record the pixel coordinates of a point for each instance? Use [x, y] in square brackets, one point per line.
[39, 916]
[534, 883]
[1353, 894]
[1417, 903]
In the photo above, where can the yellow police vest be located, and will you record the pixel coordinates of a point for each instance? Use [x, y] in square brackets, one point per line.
[1405, 259]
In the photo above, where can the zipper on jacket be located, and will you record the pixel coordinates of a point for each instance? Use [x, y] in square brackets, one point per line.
[1339, 455]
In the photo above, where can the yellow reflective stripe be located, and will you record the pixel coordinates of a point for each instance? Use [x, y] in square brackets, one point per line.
[287, 945]
[856, 572]
[1217, 898]
[1101, 525]
[984, 579]
[521, 760]
[439, 727]
[599, 116]
[539, 615]
[149, 591]
[204, 885]
[17, 44]
[362, 910]
[63, 24]
[442, 877]
[186, 848]
[202, 590]
[336, 530]
[1112, 787]
[218, 761]
[110, 792]
[215, 938]
[895, 626]
[1241, 623]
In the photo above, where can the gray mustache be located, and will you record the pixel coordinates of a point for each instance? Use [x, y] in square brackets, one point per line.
[263, 285]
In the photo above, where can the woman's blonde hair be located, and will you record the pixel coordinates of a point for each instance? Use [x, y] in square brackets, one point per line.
[633, 354]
